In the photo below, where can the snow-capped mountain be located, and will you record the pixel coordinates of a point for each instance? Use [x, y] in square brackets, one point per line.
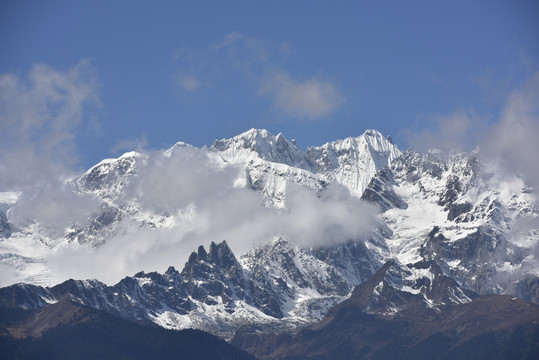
[353, 161]
[449, 225]
[461, 215]
[271, 162]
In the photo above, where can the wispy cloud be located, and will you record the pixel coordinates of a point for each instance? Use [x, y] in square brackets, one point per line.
[261, 64]
[460, 131]
[188, 82]
[312, 98]
[508, 147]
[512, 145]
[513, 140]
[510, 140]
[243, 50]
[138, 144]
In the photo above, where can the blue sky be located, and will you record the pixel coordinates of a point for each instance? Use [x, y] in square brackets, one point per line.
[91, 79]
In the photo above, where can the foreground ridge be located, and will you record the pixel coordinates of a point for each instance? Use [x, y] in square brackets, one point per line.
[67, 330]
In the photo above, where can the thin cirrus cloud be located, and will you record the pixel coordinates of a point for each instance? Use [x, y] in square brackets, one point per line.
[459, 131]
[41, 112]
[188, 83]
[137, 144]
[260, 63]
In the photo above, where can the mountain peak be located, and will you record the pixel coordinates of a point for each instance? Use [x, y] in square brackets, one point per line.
[253, 134]
[258, 143]
[222, 255]
[353, 161]
[377, 141]
[372, 132]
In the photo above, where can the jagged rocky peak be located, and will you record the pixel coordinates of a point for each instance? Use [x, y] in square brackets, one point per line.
[201, 253]
[414, 164]
[331, 271]
[219, 254]
[219, 266]
[375, 139]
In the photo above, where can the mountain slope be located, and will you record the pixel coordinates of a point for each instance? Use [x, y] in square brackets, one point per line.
[493, 326]
[66, 330]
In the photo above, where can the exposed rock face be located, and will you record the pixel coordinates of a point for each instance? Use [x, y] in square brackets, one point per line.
[5, 228]
[380, 191]
[439, 321]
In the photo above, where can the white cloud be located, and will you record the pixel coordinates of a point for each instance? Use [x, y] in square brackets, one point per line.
[54, 206]
[261, 63]
[229, 40]
[243, 50]
[511, 139]
[312, 98]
